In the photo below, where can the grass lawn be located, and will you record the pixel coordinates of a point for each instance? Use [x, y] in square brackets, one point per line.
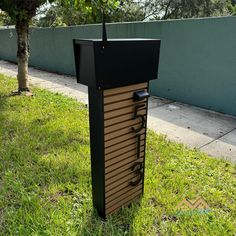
[45, 179]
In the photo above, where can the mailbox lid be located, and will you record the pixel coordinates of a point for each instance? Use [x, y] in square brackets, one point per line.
[120, 62]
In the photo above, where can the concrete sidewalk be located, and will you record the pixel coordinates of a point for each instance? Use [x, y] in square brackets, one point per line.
[211, 132]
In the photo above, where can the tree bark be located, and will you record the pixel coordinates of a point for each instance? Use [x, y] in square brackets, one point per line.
[22, 29]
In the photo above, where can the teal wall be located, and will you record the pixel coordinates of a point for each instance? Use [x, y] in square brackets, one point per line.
[197, 62]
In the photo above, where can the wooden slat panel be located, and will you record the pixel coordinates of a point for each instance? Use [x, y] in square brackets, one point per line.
[125, 89]
[128, 123]
[128, 203]
[122, 104]
[122, 157]
[123, 111]
[121, 189]
[117, 198]
[120, 181]
[124, 202]
[122, 118]
[122, 151]
[119, 97]
[121, 132]
[118, 177]
[121, 163]
[124, 144]
[125, 168]
[122, 138]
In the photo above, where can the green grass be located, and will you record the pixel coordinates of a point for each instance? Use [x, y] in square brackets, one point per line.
[45, 179]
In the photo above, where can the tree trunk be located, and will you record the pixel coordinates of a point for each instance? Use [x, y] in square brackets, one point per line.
[22, 29]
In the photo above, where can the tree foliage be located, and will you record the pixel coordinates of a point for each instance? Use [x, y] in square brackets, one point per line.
[5, 19]
[176, 9]
[128, 11]
[88, 12]
[21, 10]
[232, 7]
[75, 12]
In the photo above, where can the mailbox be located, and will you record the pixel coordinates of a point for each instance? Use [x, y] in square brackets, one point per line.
[117, 73]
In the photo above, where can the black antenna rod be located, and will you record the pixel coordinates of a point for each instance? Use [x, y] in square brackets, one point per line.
[104, 31]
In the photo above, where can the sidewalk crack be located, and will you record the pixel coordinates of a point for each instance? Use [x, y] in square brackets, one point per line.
[217, 138]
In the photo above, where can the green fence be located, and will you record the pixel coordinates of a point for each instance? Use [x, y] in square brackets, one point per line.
[197, 62]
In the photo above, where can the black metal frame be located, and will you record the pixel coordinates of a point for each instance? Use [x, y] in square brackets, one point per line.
[96, 120]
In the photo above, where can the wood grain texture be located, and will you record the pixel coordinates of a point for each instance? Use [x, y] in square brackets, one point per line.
[122, 111]
[120, 147]
[121, 163]
[119, 105]
[121, 132]
[120, 190]
[114, 199]
[122, 157]
[124, 202]
[112, 184]
[131, 148]
[126, 169]
[119, 176]
[123, 117]
[121, 138]
[115, 127]
[120, 97]
[112, 92]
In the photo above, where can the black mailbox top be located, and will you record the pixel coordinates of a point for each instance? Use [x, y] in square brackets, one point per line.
[116, 63]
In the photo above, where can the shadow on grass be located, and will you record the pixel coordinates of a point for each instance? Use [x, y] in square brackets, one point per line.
[120, 223]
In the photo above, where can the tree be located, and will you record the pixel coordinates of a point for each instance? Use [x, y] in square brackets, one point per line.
[21, 12]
